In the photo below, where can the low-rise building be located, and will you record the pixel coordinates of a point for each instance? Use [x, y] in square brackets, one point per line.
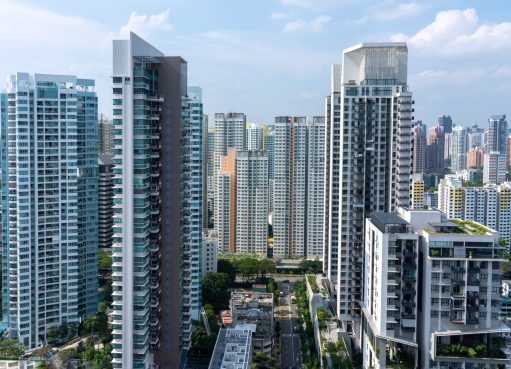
[232, 349]
[255, 308]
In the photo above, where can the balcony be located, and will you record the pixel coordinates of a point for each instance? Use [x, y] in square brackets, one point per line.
[473, 282]
[458, 269]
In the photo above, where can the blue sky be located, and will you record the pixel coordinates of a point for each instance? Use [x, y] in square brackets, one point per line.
[273, 57]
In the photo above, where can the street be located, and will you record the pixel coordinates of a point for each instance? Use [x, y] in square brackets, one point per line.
[290, 339]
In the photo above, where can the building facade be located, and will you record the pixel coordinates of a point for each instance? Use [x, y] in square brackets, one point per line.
[315, 188]
[390, 292]
[475, 158]
[105, 200]
[445, 121]
[157, 207]
[254, 137]
[105, 134]
[290, 187]
[416, 191]
[252, 202]
[230, 132]
[373, 163]
[494, 168]
[50, 217]
[459, 144]
[435, 150]
[419, 147]
[497, 134]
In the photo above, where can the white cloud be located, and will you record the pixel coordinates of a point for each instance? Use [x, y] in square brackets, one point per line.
[280, 15]
[144, 25]
[314, 25]
[389, 11]
[459, 32]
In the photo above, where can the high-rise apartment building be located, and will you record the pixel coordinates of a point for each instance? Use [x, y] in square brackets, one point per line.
[332, 175]
[390, 291]
[105, 200]
[105, 134]
[230, 131]
[290, 188]
[445, 121]
[373, 163]
[269, 146]
[475, 158]
[435, 150]
[419, 147]
[4, 191]
[50, 217]
[497, 134]
[494, 167]
[211, 152]
[252, 202]
[459, 145]
[416, 191]
[254, 137]
[225, 202]
[315, 188]
[459, 274]
[157, 207]
[488, 205]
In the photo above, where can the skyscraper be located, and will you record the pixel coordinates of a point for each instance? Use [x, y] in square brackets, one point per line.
[269, 146]
[475, 158]
[290, 188]
[50, 224]
[435, 150]
[315, 188]
[225, 202]
[252, 202]
[445, 121]
[419, 147]
[157, 207]
[332, 175]
[373, 163]
[105, 200]
[416, 191]
[497, 134]
[211, 152]
[494, 167]
[105, 134]
[254, 137]
[459, 145]
[230, 131]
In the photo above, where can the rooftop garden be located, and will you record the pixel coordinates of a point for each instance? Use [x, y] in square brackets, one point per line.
[474, 349]
[471, 227]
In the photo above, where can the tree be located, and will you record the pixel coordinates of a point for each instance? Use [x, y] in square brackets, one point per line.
[11, 349]
[312, 266]
[212, 318]
[225, 266]
[215, 290]
[247, 269]
[202, 345]
[265, 266]
[90, 323]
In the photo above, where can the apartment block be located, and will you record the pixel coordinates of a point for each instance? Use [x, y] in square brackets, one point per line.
[416, 191]
[233, 349]
[157, 207]
[370, 160]
[494, 168]
[105, 200]
[49, 203]
[254, 137]
[390, 292]
[230, 132]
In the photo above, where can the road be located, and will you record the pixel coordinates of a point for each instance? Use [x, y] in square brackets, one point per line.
[290, 355]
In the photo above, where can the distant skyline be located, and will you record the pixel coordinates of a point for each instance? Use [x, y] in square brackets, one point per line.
[273, 57]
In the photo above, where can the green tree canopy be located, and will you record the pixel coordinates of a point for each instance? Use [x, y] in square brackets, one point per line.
[215, 290]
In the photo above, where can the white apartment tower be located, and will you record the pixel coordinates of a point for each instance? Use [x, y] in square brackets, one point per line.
[157, 207]
[459, 303]
[315, 188]
[416, 191]
[230, 131]
[459, 149]
[254, 137]
[49, 166]
[290, 187]
[370, 156]
[390, 292]
[494, 167]
[252, 202]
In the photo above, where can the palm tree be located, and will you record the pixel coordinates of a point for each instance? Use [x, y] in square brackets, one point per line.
[90, 323]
